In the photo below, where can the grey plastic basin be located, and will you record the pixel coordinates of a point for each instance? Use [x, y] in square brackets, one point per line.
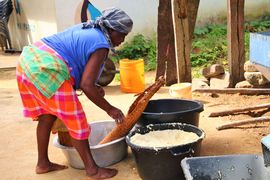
[226, 167]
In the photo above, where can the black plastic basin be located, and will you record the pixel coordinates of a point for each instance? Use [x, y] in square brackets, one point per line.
[163, 163]
[171, 110]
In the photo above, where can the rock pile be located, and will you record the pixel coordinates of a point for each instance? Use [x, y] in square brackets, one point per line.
[253, 78]
[215, 77]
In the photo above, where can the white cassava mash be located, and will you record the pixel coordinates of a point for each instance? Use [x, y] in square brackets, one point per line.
[164, 138]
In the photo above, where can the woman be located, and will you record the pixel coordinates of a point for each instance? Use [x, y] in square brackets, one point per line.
[49, 72]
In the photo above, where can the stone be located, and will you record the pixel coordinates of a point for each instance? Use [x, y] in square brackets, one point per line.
[199, 83]
[206, 81]
[255, 78]
[221, 81]
[250, 67]
[244, 84]
[213, 71]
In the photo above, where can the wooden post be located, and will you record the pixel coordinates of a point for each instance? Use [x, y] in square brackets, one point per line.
[236, 49]
[166, 62]
[166, 56]
[182, 39]
[193, 6]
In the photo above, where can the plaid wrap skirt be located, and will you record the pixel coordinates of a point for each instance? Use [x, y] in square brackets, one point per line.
[64, 104]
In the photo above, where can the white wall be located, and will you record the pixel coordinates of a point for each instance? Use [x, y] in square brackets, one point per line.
[144, 12]
[212, 9]
[36, 20]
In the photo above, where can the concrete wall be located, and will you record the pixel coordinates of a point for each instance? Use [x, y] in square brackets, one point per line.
[41, 18]
[143, 13]
[210, 10]
[32, 20]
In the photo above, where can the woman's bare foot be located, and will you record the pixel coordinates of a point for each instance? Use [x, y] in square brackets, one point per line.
[49, 168]
[103, 173]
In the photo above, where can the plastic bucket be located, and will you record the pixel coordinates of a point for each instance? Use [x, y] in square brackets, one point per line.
[131, 75]
[164, 163]
[181, 90]
[171, 110]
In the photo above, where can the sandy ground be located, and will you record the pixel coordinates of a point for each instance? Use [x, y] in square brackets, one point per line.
[18, 152]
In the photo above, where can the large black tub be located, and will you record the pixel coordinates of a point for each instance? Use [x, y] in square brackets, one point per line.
[171, 110]
[163, 163]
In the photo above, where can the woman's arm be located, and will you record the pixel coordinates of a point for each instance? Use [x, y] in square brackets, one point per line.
[88, 84]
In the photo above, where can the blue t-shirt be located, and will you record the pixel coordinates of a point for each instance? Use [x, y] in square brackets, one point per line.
[76, 45]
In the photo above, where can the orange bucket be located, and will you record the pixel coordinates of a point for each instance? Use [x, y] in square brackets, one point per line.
[131, 75]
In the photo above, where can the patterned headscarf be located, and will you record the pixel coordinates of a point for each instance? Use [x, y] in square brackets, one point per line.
[113, 18]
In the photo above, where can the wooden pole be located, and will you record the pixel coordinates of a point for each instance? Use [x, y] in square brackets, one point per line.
[193, 6]
[239, 110]
[244, 122]
[166, 55]
[236, 49]
[166, 62]
[182, 39]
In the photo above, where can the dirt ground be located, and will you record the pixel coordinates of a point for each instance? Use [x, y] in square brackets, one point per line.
[18, 152]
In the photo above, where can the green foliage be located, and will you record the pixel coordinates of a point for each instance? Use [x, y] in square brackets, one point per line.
[139, 47]
[257, 26]
[201, 31]
[209, 45]
[211, 30]
[117, 77]
[196, 72]
[247, 44]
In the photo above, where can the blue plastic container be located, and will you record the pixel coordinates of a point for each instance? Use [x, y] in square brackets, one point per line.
[225, 167]
[260, 48]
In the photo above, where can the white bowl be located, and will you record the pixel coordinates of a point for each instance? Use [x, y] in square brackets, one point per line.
[103, 154]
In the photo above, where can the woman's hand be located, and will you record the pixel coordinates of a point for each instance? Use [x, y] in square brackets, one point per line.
[116, 114]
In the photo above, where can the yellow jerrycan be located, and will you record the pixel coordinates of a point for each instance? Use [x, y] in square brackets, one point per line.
[131, 75]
